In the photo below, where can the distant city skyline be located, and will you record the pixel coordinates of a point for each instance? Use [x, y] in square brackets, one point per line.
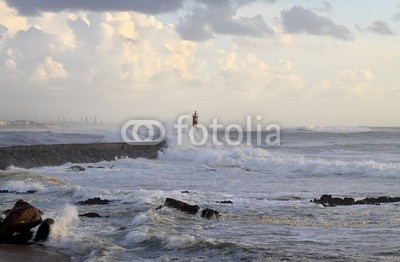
[296, 63]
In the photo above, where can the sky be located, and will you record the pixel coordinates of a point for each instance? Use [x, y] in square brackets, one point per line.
[295, 63]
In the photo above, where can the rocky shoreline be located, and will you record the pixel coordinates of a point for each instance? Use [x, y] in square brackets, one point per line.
[54, 155]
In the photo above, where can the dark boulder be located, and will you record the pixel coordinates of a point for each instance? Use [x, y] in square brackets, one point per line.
[43, 231]
[210, 213]
[21, 219]
[90, 214]
[185, 192]
[4, 191]
[181, 206]
[94, 201]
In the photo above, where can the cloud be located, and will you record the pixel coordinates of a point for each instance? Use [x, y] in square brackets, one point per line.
[379, 27]
[299, 20]
[49, 70]
[218, 17]
[35, 7]
[325, 7]
[10, 19]
[358, 82]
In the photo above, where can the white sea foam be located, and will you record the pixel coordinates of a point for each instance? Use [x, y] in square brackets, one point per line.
[179, 242]
[22, 187]
[280, 162]
[331, 129]
[63, 218]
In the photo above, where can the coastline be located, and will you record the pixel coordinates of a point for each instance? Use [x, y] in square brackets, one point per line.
[30, 156]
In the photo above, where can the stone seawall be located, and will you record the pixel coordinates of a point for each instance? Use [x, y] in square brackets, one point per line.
[53, 155]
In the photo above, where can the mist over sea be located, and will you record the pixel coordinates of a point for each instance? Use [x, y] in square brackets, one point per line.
[271, 217]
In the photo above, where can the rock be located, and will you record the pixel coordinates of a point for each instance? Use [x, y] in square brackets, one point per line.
[210, 213]
[185, 192]
[122, 228]
[4, 191]
[328, 200]
[21, 219]
[225, 202]
[90, 214]
[76, 168]
[43, 231]
[32, 191]
[94, 201]
[181, 206]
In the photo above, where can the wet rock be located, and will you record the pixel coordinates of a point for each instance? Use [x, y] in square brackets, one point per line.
[90, 214]
[32, 191]
[43, 231]
[328, 200]
[225, 202]
[76, 168]
[94, 201]
[122, 228]
[4, 191]
[210, 213]
[185, 192]
[181, 206]
[22, 217]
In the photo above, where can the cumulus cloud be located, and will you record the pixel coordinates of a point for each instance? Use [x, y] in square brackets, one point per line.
[379, 27]
[49, 70]
[358, 82]
[299, 20]
[218, 17]
[35, 7]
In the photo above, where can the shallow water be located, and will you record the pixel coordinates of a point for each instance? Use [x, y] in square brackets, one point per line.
[271, 219]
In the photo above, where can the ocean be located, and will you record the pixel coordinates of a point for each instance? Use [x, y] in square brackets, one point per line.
[271, 218]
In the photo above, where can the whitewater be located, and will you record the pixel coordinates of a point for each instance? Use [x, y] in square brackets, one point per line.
[271, 218]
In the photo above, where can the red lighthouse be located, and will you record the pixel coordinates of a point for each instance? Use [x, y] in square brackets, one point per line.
[195, 118]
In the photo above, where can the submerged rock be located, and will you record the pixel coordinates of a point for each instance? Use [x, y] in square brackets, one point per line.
[210, 213]
[90, 214]
[181, 206]
[43, 231]
[94, 201]
[76, 168]
[225, 202]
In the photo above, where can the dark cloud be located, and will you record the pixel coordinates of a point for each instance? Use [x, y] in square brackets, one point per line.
[379, 27]
[35, 7]
[299, 20]
[218, 17]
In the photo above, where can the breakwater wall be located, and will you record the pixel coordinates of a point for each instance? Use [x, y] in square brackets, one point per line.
[52, 155]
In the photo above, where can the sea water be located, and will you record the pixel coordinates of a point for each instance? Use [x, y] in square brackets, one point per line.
[271, 218]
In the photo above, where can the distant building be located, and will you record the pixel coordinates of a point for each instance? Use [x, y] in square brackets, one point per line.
[23, 123]
[3, 123]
